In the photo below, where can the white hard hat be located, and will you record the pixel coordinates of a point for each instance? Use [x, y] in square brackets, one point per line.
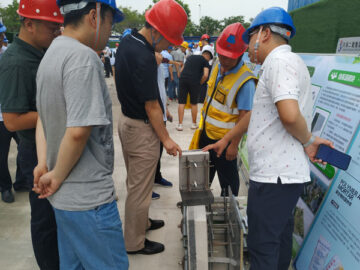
[208, 48]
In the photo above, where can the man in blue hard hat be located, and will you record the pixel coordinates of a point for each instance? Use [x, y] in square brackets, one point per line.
[279, 141]
[75, 139]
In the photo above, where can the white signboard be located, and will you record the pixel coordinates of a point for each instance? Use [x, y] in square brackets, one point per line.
[350, 45]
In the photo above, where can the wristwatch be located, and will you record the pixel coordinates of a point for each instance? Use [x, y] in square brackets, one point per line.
[311, 140]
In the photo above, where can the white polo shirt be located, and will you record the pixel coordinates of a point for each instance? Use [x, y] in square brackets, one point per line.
[273, 152]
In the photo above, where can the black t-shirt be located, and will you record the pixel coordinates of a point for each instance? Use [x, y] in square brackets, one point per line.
[136, 75]
[194, 68]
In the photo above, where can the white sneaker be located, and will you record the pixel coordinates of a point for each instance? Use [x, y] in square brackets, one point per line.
[194, 126]
[179, 127]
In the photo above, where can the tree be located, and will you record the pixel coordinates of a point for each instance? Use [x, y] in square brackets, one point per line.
[10, 17]
[133, 19]
[209, 26]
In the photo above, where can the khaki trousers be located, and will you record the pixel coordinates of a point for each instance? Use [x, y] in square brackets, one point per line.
[140, 146]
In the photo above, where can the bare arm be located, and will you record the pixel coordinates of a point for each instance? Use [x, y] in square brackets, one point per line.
[292, 119]
[154, 112]
[295, 124]
[205, 75]
[41, 168]
[234, 134]
[232, 150]
[20, 121]
[71, 148]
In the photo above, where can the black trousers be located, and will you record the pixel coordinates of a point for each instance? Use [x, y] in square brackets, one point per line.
[227, 170]
[43, 224]
[271, 224]
[107, 66]
[5, 178]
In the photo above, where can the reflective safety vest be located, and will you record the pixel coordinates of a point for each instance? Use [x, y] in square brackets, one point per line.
[220, 110]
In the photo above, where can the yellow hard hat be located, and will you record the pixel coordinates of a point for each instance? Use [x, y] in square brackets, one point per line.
[185, 45]
[200, 44]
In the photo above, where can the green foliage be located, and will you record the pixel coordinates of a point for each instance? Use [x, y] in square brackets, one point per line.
[10, 17]
[211, 26]
[133, 19]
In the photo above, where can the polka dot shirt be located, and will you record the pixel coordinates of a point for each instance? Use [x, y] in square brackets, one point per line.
[273, 152]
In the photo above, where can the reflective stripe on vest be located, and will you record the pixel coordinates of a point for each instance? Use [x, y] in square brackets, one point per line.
[230, 97]
[222, 115]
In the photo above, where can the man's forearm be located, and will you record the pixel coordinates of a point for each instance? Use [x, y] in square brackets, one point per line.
[240, 128]
[155, 114]
[20, 121]
[203, 79]
[299, 129]
[71, 148]
[40, 143]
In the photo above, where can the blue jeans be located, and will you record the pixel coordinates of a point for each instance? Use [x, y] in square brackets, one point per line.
[173, 85]
[91, 239]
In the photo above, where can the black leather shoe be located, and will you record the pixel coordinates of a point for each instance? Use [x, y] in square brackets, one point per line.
[150, 248]
[155, 224]
[7, 196]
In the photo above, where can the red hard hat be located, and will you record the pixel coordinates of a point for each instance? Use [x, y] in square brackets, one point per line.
[168, 18]
[46, 10]
[230, 43]
[116, 44]
[204, 36]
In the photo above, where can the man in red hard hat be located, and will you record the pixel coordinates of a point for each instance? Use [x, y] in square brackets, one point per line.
[40, 24]
[141, 125]
[231, 88]
[205, 39]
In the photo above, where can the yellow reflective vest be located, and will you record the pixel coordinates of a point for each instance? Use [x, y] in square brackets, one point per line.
[220, 110]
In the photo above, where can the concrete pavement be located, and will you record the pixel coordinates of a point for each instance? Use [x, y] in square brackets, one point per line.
[15, 242]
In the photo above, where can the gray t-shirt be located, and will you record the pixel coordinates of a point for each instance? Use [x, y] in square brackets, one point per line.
[71, 92]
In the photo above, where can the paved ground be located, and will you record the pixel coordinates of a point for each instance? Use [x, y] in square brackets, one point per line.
[15, 242]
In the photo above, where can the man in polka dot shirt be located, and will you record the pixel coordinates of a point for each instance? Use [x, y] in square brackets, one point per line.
[279, 141]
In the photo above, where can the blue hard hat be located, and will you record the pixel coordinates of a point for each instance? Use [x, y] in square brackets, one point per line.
[118, 16]
[2, 28]
[191, 45]
[126, 32]
[5, 39]
[273, 15]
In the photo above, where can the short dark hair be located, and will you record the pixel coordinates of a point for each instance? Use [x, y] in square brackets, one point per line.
[148, 25]
[75, 17]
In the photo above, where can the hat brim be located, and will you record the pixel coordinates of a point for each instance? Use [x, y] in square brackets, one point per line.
[226, 53]
[119, 16]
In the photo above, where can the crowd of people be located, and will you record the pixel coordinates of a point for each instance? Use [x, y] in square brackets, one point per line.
[56, 105]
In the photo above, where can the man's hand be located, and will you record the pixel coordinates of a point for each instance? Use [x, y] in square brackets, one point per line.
[231, 152]
[48, 184]
[39, 171]
[172, 147]
[218, 147]
[312, 149]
